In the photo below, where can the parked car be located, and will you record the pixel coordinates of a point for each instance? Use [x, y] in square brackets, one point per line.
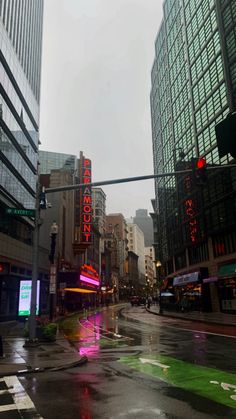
[137, 300]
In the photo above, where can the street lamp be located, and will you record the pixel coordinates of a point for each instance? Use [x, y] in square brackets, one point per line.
[53, 273]
[158, 265]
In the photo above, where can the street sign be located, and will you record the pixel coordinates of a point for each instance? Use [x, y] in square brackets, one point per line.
[20, 211]
[52, 285]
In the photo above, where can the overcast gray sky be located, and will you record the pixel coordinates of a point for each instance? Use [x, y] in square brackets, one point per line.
[96, 80]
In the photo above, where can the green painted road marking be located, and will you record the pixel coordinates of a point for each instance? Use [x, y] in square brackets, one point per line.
[214, 384]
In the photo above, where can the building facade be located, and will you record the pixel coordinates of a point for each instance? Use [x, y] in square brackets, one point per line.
[192, 90]
[99, 208]
[144, 222]
[20, 73]
[136, 245]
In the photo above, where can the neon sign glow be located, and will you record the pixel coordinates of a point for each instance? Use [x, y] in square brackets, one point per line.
[88, 280]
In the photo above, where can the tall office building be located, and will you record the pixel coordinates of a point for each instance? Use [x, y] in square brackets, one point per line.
[193, 89]
[144, 222]
[20, 70]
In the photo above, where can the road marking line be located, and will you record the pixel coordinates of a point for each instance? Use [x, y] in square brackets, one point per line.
[153, 362]
[20, 397]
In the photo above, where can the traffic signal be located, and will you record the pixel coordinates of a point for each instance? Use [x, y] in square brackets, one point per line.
[225, 136]
[199, 170]
[42, 199]
[4, 268]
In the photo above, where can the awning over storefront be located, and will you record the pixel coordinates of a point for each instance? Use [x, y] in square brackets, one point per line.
[229, 269]
[186, 279]
[81, 290]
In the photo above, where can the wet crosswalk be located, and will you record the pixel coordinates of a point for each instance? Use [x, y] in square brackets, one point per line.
[14, 401]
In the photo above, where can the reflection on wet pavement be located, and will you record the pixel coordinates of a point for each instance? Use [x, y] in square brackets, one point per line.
[105, 329]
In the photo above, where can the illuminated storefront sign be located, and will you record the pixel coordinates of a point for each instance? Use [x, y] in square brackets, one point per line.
[186, 279]
[86, 204]
[89, 275]
[25, 298]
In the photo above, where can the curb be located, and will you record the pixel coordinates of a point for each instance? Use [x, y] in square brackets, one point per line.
[74, 364]
[190, 319]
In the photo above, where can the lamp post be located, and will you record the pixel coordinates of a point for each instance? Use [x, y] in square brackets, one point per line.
[53, 273]
[158, 267]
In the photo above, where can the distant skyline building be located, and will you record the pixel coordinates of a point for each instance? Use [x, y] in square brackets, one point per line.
[137, 246]
[20, 68]
[50, 160]
[193, 89]
[144, 221]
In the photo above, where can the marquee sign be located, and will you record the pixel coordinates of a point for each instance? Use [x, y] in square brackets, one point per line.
[86, 204]
[89, 276]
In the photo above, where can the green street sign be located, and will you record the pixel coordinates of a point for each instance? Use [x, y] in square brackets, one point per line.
[20, 211]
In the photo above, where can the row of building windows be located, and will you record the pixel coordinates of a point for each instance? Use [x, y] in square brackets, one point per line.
[14, 187]
[202, 37]
[23, 22]
[201, 14]
[191, 6]
[173, 53]
[211, 78]
[174, 31]
[183, 121]
[211, 107]
[206, 57]
[171, 10]
[18, 134]
[178, 79]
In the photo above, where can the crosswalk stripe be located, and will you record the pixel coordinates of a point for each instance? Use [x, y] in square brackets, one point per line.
[21, 398]
[7, 407]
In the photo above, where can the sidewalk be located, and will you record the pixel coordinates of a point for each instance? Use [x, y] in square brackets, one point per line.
[56, 355]
[222, 319]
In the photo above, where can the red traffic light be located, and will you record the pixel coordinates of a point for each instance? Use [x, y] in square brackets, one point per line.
[200, 162]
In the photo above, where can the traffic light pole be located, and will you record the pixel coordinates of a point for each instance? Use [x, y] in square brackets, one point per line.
[132, 179]
[33, 302]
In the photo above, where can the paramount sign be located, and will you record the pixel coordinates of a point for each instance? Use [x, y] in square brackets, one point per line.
[86, 205]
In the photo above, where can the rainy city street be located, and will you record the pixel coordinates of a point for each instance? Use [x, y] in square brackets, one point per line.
[140, 366]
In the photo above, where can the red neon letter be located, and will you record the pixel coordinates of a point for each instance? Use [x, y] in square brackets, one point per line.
[87, 208]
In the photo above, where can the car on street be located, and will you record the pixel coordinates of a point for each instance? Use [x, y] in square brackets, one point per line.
[137, 300]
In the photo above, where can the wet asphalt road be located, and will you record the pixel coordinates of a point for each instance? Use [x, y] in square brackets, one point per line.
[140, 366]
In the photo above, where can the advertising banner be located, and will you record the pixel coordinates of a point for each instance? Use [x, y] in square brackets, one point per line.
[25, 298]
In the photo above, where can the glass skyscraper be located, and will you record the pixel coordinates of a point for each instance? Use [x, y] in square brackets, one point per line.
[20, 72]
[193, 88]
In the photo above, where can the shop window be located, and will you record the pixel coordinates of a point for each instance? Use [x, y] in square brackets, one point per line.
[224, 244]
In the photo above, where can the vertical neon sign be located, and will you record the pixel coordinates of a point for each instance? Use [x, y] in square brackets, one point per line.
[86, 206]
[190, 210]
